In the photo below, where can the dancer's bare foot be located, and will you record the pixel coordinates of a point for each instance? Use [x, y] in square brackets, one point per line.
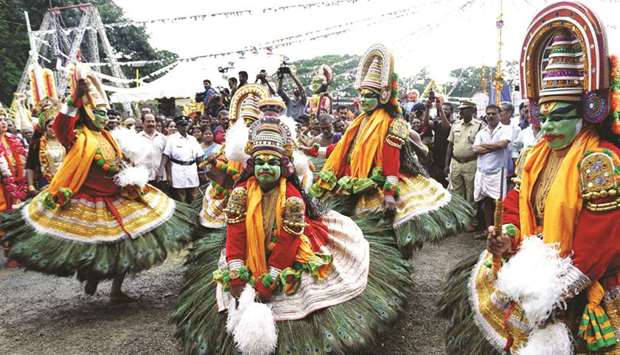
[13, 264]
[120, 298]
[91, 287]
[116, 295]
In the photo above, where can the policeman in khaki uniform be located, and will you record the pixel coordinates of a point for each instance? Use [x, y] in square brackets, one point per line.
[460, 157]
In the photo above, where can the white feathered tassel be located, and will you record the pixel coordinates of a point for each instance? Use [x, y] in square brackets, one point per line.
[132, 176]
[291, 124]
[135, 148]
[302, 170]
[554, 339]
[252, 325]
[236, 140]
[234, 313]
[533, 277]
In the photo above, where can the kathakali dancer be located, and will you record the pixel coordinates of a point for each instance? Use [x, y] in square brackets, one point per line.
[224, 169]
[98, 218]
[45, 153]
[322, 281]
[375, 163]
[549, 281]
[320, 101]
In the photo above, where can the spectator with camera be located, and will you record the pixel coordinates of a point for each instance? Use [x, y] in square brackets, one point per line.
[295, 107]
[262, 79]
[440, 126]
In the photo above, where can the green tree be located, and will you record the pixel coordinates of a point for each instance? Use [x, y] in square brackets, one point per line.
[468, 80]
[343, 67]
[419, 81]
[130, 42]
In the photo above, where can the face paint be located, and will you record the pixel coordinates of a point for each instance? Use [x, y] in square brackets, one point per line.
[560, 123]
[249, 120]
[316, 84]
[368, 100]
[267, 170]
[101, 118]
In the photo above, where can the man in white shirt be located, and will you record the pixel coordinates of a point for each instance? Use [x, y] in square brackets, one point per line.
[491, 145]
[181, 156]
[154, 158]
[506, 117]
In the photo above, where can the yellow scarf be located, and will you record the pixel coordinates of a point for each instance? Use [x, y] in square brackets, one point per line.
[564, 198]
[74, 168]
[368, 149]
[256, 259]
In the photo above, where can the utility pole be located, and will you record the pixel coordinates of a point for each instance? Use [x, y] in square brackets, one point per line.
[64, 45]
[499, 79]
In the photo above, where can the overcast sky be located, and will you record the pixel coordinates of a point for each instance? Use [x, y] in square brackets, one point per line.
[436, 34]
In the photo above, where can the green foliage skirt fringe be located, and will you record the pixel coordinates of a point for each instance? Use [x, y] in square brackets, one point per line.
[347, 328]
[62, 257]
[434, 226]
[462, 334]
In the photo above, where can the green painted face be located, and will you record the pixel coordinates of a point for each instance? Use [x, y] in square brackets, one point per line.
[267, 170]
[560, 123]
[368, 100]
[101, 118]
[317, 82]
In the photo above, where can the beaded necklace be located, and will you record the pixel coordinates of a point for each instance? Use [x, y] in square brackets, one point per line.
[545, 180]
[105, 156]
[54, 152]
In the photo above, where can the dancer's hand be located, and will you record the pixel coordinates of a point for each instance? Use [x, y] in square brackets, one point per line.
[498, 245]
[81, 88]
[235, 290]
[264, 294]
[389, 205]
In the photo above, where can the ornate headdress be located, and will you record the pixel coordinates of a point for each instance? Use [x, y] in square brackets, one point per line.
[272, 106]
[96, 97]
[325, 73]
[270, 136]
[376, 73]
[47, 110]
[565, 57]
[244, 103]
[42, 85]
[44, 97]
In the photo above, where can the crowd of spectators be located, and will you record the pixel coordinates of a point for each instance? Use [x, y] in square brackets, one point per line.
[470, 154]
[179, 144]
[465, 153]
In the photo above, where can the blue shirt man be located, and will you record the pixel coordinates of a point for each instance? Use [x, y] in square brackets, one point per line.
[209, 91]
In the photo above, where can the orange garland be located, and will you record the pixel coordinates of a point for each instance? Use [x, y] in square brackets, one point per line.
[45, 164]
